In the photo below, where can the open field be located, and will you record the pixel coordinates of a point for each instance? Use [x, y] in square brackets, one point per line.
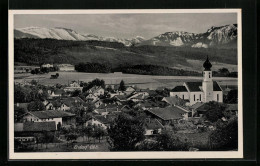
[141, 81]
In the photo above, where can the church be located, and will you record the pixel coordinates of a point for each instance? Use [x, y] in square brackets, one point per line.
[205, 91]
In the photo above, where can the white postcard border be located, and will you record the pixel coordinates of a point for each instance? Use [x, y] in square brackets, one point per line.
[122, 155]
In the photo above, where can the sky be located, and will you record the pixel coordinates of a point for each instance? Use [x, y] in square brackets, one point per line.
[127, 25]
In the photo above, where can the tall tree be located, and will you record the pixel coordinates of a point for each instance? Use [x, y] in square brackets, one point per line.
[122, 86]
[214, 111]
[36, 106]
[125, 133]
[225, 136]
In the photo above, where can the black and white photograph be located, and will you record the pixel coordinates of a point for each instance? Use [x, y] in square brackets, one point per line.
[108, 84]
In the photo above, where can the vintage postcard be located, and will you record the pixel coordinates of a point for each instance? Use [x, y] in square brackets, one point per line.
[125, 84]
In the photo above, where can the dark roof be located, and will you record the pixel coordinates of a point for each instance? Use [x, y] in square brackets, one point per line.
[195, 86]
[197, 105]
[74, 101]
[39, 126]
[167, 113]
[179, 89]
[51, 114]
[152, 124]
[35, 126]
[216, 86]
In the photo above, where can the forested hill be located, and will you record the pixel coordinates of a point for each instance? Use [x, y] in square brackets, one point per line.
[37, 51]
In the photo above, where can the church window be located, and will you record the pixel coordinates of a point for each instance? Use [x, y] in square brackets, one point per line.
[194, 97]
[183, 97]
[217, 97]
[209, 74]
[200, 97]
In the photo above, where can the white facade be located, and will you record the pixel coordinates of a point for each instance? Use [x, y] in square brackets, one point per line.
[207, 86]
[47, 65]
[31, 118]
[182, 95]
[95, 122]
[64, 107]
[66, 67]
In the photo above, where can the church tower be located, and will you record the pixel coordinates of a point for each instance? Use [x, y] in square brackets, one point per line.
[207, 84]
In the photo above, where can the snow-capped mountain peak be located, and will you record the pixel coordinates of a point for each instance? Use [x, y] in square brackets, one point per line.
[213, 37]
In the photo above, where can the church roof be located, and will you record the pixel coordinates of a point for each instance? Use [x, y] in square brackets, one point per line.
[179, 89]
[195, 86]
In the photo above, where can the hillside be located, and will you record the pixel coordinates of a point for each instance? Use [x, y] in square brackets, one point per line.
[215, 37]
[37, 51]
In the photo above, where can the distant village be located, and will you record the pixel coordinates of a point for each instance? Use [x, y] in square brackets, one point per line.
[76, 113]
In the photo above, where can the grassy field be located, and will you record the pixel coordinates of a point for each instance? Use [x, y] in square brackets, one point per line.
[141, 81]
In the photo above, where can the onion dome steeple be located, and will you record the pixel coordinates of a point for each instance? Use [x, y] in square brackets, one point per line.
[207, 65]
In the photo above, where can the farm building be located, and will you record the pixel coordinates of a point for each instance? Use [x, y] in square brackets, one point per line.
[168, 115]
[59, 117]
[66, 67]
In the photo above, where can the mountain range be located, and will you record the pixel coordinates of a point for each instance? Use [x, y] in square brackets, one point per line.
[222, 36]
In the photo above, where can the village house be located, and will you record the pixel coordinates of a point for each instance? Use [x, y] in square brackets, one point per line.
[74, 85]
[47, 65]
[101, 121]
[59, 117]
[72, 102]
[205, 91]
[98, 103]
[97, 91]
[66, 67]
[137, 96]
[152, 127]
[174, 101]
[56, 93]
[168, 115]
[91, 97]
[129, 90]
[197, 109]
[28, 131]
[120, 98]
[106, 109]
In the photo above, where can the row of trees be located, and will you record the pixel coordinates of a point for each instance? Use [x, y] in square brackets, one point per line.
[93, 68]
[224, 72]
[156, 70]
[25, 94]
[43, 70]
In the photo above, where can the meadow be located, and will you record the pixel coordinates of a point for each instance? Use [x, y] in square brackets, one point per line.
[140, 81]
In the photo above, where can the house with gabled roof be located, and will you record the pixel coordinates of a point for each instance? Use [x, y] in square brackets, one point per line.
[168, 115]
[174, 100]
[205, 91]
[152, 127]
[26, 132]
[101, 121]
[106, 109]
[73, 86]
[97, 91]
[59, 117]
